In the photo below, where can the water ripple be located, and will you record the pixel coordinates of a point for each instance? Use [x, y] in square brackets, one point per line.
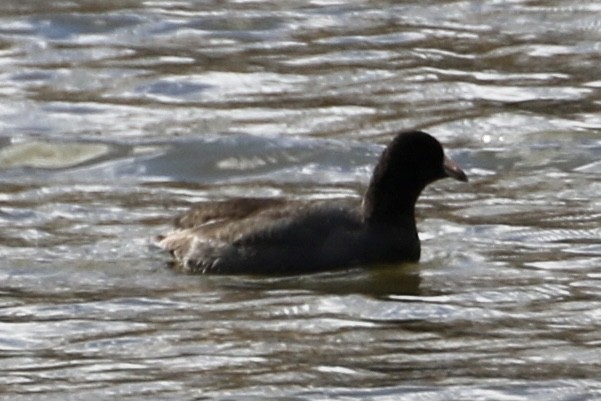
[117, 116]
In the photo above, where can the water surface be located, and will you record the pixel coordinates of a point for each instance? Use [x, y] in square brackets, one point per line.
[115, 117]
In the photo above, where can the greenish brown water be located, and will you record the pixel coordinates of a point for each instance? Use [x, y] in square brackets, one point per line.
[114, 117]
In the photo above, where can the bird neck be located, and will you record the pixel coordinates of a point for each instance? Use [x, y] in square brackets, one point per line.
[385, 204]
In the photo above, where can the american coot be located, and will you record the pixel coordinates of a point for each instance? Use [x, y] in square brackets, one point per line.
[279, 237]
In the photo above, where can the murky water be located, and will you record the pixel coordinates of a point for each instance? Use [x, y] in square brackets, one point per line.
[116, 115]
